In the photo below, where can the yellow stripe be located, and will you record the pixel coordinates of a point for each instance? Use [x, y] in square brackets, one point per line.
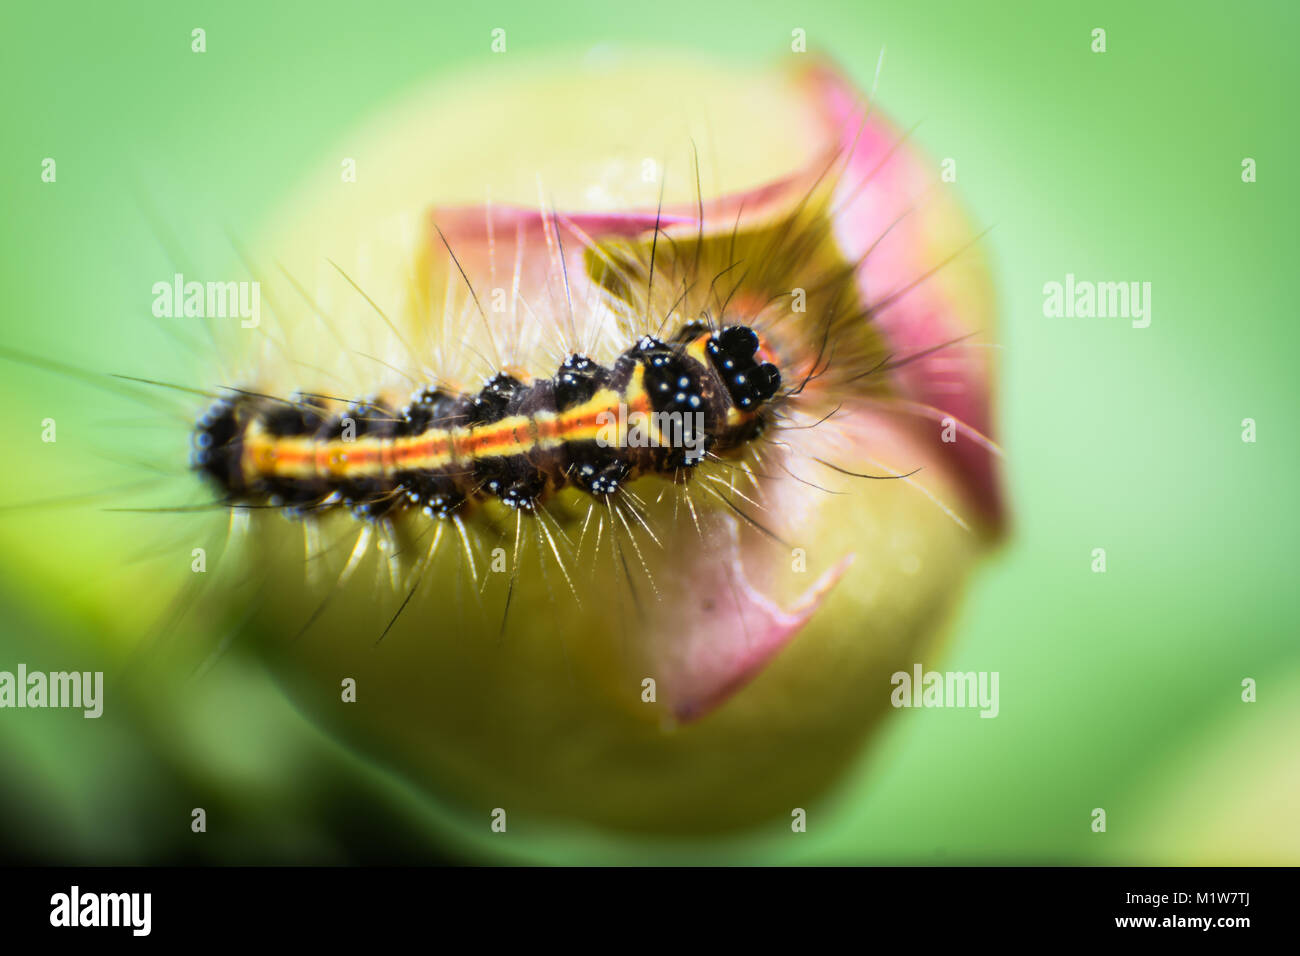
[306, 458]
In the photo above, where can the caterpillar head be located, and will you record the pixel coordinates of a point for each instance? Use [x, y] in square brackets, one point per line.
[738, 355]
[741, 358]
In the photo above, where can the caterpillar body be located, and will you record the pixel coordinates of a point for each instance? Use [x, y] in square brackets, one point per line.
[701, 392]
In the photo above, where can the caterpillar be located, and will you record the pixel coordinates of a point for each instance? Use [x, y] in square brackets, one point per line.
[700, 389]
[699, 392]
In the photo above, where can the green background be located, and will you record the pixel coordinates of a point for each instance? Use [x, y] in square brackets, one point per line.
[1118, 690]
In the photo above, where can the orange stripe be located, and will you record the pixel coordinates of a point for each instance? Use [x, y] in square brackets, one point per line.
[298, 457]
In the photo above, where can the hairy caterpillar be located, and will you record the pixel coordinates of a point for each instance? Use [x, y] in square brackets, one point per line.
[515, 441]
[627, 573]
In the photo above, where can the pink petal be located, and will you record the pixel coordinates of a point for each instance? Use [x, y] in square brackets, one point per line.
[892, 201]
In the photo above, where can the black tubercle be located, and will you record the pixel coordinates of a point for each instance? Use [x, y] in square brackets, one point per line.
[599, 471]
[432, 408]
[578, 379]
[217, 444]
[749, 383]
[672, 378]
[490, 404]
[366, 418]
[301, 416]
